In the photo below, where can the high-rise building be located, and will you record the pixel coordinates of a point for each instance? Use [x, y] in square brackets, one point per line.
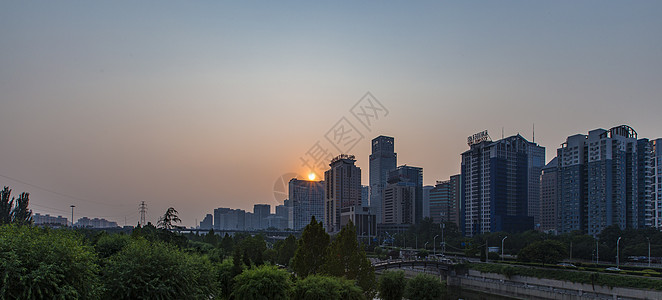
[498, 181]
[342, 191]
[229, 219]
[598, 181]
[382, 160]
[445, 201]
[426, 200]
[306, 200]
[260, 214]
[207, 222]
[398, 204]
[548, 197]
[645, 178]
[656, 183]
[399, 181]
[218, 220]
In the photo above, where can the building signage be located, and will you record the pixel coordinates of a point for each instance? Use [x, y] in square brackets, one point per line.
[478, 137]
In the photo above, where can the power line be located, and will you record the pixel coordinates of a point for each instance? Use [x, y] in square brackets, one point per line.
[53, 191]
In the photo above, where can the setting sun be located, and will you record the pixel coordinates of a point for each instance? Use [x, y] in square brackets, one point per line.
[311, 176]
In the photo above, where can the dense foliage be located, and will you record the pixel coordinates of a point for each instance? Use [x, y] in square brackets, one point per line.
[46, 264]
[392, 285]
[311, 251]
[326, 287]
[157, 270]
[424, 287]
[14, 211]
[265, 282]
[545, 252]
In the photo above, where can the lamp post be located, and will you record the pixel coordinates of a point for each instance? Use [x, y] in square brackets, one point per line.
[503, 239]
[426, 248]
[434, 242]
[72, 215]
[597, 252]
[617, 254]
[649, 251]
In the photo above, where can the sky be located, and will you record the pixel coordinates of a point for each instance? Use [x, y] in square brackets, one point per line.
[204, 104]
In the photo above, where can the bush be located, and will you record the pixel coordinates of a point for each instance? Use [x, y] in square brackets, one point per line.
[109, 244]
[158, 270]
[392, 285]
[46, 264]
[264, 282]
[424, 287]
[325, 287]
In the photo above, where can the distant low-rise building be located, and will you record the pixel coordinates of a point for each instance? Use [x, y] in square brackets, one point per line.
[47, 219]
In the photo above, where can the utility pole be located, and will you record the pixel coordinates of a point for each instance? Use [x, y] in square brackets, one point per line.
[143, 211]
[502, 247]
[72, 215]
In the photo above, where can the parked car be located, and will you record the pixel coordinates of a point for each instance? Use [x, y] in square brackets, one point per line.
[613, 269]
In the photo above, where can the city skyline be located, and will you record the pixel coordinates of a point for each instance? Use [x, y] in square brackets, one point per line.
[205, 106]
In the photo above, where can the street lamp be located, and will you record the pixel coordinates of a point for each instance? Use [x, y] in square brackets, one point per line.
[434, 241]
[649, 251]
[503, 239]
[72, 215]
[617, 255]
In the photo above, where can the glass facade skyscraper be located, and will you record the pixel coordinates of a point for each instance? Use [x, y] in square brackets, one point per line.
[382, 160]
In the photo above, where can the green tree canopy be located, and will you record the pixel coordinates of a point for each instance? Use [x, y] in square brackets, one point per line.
[545, 252]
[46, 264]
[392, 285]
[311, 250]
[424, 287]
[316, 287]
[157, 270]
[286, 250]
[264, 282]
[346, 258]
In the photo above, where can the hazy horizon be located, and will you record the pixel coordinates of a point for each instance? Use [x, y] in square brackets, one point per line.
[200, 105]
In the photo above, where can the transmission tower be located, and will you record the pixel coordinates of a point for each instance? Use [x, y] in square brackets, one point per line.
[143, 211]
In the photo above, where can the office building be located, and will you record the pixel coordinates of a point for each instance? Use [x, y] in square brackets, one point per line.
[400, 177]
[382, 160]
[498, 181]
[306, 200]
[548, 197]
[426, 200]
[445, 201]
[342, 191]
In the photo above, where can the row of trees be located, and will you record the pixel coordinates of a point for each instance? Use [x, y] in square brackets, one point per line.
[576, 245]
[14, 210]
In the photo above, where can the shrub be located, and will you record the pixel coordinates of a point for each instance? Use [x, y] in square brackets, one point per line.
[46, 264]
[158, 270]
[392, 285]
[264, 282]
[326, 287]
[424, 287]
